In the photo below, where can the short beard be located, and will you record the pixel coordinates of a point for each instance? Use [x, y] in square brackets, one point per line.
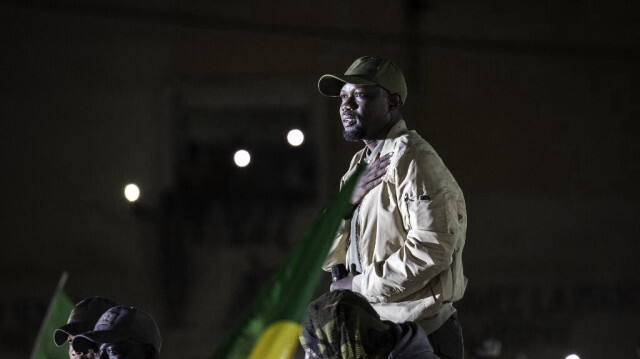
[355, 134]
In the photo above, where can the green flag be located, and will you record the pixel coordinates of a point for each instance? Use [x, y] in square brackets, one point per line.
[56, 316]
[270, 327]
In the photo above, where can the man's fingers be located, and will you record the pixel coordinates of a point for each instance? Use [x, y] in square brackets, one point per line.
[373, 174]
[372, 184]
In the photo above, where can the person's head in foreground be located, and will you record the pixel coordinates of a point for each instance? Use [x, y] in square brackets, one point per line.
[83, 318]
[343, 325]
[122, 333]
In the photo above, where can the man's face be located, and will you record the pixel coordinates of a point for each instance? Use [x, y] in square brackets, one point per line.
[126, 349]
[89, 354]
[364, 112]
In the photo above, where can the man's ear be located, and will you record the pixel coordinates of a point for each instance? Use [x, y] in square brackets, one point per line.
[394, 101]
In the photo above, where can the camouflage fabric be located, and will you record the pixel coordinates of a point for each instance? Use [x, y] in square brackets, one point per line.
[343, 325]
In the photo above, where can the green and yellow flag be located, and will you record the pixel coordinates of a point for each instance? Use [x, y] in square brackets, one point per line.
[56, 316]
[270, 327]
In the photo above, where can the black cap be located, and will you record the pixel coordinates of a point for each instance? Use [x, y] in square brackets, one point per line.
[83, 318]
[118, 324]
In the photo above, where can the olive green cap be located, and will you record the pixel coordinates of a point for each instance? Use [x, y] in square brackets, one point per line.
[367, 70]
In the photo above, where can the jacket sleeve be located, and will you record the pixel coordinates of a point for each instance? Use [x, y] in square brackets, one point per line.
[428, 202]
[338, 251]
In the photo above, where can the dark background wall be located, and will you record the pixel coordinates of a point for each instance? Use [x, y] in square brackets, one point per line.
[533, 106]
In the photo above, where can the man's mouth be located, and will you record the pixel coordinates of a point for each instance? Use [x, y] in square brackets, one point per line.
[348, 121]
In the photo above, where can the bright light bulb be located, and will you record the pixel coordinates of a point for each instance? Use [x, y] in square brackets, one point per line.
[241, 158]
[131, 192]
[572, 356]
[295, 137]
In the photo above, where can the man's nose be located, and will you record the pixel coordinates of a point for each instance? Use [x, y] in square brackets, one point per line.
[348, 102]
[89, 354]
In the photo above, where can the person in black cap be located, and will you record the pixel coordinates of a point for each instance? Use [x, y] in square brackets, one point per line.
[403, 237]
[122, 333]
[83, 318]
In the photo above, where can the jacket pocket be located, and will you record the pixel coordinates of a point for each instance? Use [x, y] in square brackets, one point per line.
[426, 212]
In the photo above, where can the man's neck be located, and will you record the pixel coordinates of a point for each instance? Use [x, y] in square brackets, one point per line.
[372, 143]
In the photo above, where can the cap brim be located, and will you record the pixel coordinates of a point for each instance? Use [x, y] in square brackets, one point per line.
[60, 337]
[88, 340]
[330, 85]
[61, 334]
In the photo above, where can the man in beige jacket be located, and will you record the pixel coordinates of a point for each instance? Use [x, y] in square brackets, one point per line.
[404, 237]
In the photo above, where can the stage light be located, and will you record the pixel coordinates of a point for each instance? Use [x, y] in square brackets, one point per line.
[131, 192]
[241, 158]
[572, 356]
[295, 137]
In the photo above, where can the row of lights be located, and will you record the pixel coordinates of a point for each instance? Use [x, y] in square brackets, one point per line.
[241, 158]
